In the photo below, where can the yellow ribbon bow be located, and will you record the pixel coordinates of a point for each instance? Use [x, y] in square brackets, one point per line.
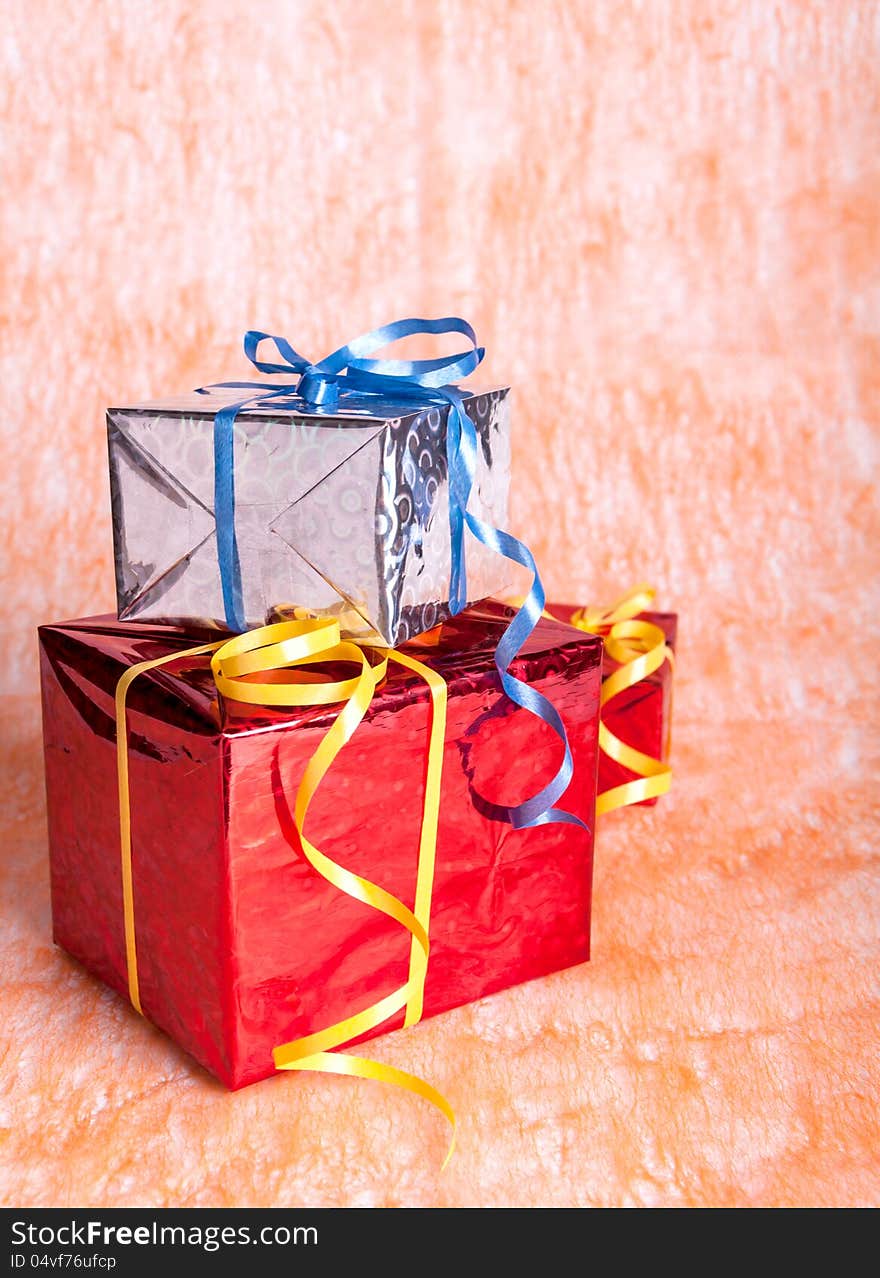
[237, 665]
[639, 648]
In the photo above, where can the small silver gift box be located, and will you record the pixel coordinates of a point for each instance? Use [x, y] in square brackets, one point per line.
[343, 513]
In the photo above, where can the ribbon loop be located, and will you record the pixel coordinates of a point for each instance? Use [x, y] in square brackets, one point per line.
[293, 362]
[596, 620]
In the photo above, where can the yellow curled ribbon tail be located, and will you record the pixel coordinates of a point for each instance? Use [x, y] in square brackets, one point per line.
[378, 1072]
[287, 647]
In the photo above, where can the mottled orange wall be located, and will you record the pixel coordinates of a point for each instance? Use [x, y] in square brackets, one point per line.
[664, 221]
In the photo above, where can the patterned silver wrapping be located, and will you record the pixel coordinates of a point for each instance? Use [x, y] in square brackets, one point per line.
[345, 514]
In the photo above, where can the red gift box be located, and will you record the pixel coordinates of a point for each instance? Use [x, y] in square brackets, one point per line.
[640, 715]
[241, 945]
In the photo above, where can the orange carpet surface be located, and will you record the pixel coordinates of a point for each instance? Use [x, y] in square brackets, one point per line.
[664, 222]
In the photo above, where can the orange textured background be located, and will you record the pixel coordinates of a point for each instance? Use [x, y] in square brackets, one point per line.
[664, 221]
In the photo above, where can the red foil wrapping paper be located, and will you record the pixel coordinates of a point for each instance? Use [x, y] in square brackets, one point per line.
[641, 715]
[241, 944]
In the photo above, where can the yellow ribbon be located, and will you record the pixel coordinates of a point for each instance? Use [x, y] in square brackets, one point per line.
[122, 688]
[236, 665]
[639, 648]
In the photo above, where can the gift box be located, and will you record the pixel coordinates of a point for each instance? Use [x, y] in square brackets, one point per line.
[640, 715]
[241, 945]
[343, 511]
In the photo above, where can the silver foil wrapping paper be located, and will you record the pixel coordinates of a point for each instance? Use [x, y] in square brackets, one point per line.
[344, 514]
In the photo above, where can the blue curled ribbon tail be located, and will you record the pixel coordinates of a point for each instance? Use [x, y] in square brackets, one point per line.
[461, 444]
[351, 371]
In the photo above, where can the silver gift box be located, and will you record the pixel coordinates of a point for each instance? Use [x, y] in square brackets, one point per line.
[345, 513]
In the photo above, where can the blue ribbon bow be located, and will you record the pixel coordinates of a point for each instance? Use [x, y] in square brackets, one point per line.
[350, 371]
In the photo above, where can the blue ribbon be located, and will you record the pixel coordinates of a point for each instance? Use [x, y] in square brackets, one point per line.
[340, 380]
